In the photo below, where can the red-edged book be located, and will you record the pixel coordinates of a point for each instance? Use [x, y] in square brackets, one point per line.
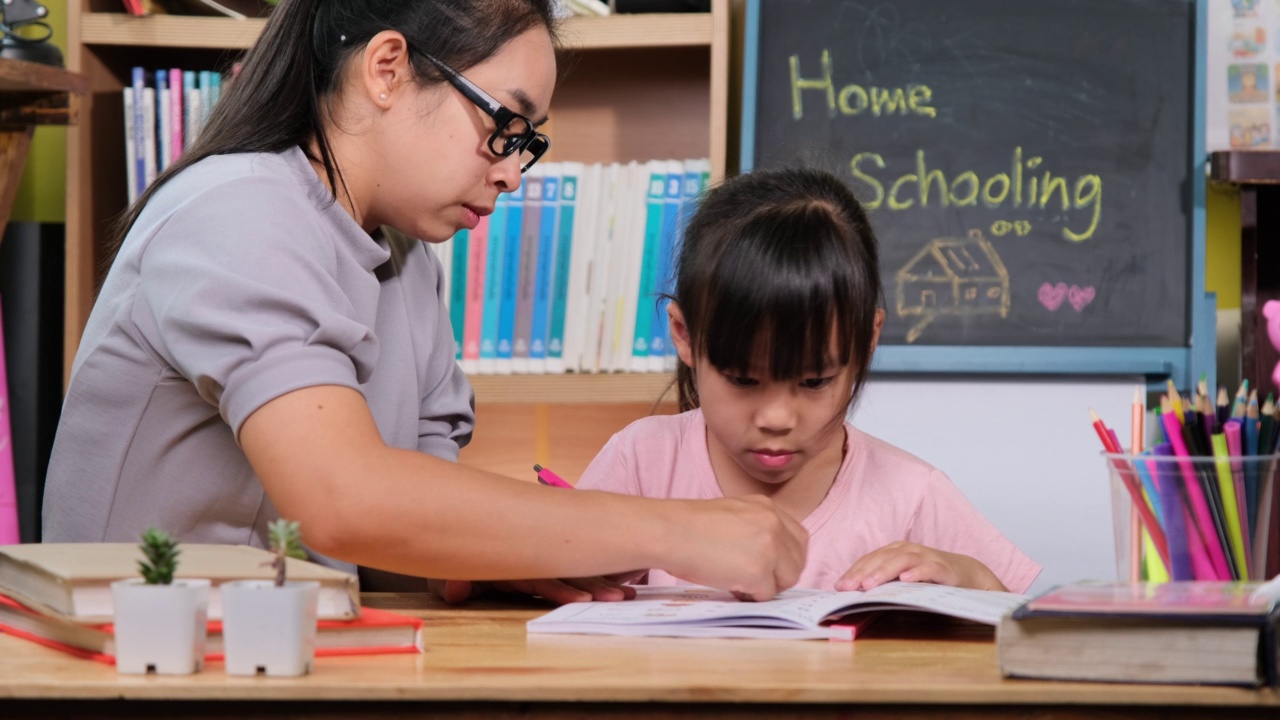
[374, 632]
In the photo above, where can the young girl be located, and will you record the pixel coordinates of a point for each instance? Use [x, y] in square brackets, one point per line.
[265, 343]
[775, 317]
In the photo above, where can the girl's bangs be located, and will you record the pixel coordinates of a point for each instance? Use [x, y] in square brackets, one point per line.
[778, 296]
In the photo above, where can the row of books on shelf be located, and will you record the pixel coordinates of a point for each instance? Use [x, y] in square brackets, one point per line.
[568, 274]
[162, 118]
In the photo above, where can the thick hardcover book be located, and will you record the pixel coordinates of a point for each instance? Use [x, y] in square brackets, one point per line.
[373, 632]
[1178, 632]
[73, 580]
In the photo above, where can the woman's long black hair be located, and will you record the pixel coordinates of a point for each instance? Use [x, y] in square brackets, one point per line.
[279, 99]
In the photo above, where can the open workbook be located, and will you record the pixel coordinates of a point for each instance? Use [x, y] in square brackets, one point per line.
[794, 614]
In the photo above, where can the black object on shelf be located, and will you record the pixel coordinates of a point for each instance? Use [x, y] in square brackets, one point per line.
[32, 257]
[15, 14]
[661, 6]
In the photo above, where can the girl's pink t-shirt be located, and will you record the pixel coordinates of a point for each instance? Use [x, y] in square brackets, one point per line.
[881, 495]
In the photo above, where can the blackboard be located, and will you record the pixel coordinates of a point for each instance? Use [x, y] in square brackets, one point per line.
[1028, 166]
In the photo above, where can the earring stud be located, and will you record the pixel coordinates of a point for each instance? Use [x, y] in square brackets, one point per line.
[382, 97]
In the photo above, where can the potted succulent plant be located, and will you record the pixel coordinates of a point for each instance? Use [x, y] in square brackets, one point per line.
[270, 626]
[160, 622]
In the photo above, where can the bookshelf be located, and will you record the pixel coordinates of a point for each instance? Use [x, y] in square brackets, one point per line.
[635, 87]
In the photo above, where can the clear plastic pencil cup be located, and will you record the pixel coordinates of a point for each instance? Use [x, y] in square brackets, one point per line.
[1192, 517]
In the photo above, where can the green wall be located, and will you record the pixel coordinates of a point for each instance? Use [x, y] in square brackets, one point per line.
[42, 195]
[1222, 245]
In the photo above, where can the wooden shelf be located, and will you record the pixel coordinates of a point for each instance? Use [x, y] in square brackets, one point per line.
[18, 76]
[574, 388]
[187, 31]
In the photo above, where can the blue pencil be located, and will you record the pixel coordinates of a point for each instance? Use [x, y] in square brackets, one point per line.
[1171, 507]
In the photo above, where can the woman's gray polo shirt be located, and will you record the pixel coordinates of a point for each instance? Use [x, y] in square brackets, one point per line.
[241, 281]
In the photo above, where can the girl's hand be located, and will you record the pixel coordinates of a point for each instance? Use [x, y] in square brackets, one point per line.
[601, 589]
[910, 562]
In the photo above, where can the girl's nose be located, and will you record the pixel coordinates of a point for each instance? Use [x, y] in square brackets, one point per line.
[777, 412]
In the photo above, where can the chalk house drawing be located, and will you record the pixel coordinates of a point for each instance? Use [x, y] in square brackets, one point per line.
[950, 276]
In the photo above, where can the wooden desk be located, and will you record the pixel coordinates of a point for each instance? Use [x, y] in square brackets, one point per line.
[30, 94]
[479, 663]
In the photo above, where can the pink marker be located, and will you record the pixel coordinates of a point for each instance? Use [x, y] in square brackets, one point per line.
[546, 477]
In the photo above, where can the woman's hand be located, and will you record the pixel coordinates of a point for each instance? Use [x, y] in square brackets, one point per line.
[745, 545]
[600, 589]
[911, 562]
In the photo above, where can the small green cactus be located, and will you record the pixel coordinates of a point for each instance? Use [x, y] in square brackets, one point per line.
[286, 541]
[161, 553]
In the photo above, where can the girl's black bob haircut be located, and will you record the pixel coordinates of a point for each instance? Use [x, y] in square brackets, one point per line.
[779, 267]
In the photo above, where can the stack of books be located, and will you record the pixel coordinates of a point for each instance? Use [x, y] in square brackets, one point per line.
[59, 595]
[1178, 632]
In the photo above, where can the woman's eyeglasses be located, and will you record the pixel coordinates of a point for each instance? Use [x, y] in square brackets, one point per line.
[515, 133]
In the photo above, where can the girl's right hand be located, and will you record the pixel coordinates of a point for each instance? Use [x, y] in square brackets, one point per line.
[746, 545]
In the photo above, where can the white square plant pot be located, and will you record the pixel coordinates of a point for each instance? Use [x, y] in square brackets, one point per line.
[160, 627]
[267, 628]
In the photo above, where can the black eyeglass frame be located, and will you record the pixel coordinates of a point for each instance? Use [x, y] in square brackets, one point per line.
[530, 141]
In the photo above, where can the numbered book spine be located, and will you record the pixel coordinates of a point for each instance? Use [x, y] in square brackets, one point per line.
[492, 316]
[642, 331]
[546, 269]
[661, 330]
[476, 275]
[697, 174]
[529, 236]
[577, 304]
[458, 256]
[510, 280]
[560, 284]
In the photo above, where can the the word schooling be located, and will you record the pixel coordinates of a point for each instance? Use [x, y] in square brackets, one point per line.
[918, 186]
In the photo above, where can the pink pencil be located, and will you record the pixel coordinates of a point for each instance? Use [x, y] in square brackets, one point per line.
[546, 477]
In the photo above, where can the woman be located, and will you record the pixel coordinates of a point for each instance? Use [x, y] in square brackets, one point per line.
[265, 344]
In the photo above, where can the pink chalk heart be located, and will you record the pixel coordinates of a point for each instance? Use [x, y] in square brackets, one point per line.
[1051, 296]
[1080, 296]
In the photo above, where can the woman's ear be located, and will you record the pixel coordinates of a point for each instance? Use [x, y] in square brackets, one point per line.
[385, 66]
[680, 334]
[875, 331]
